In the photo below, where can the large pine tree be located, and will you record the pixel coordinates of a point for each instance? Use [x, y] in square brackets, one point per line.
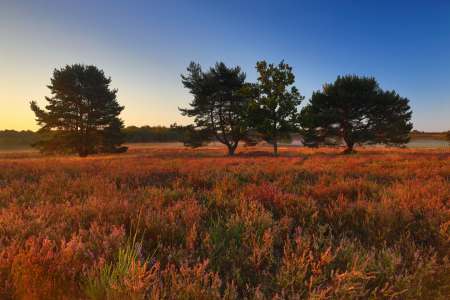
[354, 110]
[82, 116]
[216, 106]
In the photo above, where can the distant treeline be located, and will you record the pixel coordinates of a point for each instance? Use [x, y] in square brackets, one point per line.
[151, 134]
[144, 134]
[415, 134]
[17, 139]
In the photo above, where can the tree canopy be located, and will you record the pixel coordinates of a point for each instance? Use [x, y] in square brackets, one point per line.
[216, 106]
[82, 115]
[356, 111]
[272, 109]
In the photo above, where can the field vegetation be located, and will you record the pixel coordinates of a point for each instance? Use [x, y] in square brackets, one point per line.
[440, 136]
[148, 136]
[195, 224]
[11, 139]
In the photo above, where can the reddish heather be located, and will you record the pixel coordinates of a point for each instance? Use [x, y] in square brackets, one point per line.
[306, 225]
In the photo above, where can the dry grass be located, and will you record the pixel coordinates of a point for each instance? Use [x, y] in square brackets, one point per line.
[311, 224]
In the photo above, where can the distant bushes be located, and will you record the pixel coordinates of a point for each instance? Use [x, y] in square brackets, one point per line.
[10, 139]
[17, 139]
[415, 134]
[149, 134]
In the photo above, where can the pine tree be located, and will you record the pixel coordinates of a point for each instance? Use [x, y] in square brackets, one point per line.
[82, 115]
[216, 106]
[354, 110]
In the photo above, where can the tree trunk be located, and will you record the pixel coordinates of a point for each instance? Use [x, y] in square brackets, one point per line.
[275, 149]
[231, 149]
[83, 154]
[349, 148]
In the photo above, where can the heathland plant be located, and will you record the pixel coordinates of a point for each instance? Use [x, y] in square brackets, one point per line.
[304, 225]
[126, 277]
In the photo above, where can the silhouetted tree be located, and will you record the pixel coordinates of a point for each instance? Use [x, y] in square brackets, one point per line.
[216, 107]
[355, 110]
[272, 109]
[82, 116]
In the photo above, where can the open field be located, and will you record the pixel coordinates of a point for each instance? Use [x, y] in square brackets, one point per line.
[415, 143]
[428, 143]
[17, 150]
[428, 135]
[425, 141]
[420, 140]
[308, 225]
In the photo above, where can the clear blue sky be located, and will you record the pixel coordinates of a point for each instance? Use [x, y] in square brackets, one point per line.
[145, 45]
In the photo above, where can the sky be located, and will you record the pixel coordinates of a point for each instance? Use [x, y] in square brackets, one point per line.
[144, 46]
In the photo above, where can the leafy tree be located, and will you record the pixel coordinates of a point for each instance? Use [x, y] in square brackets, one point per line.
[272, 109]
[355, 110]
[82, 115]
[216, 107]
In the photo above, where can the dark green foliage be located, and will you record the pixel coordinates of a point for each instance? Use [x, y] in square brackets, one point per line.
[17, 139]
[196, 138]
[284, 138]
[82, 116]
[192, 137]
[272, 109]
[149, 134]
[355, 110]
[216, 107]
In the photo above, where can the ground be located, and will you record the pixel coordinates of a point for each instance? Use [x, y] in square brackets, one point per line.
[174, 223]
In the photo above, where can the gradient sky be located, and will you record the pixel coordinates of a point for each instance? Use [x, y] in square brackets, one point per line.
[144, 46]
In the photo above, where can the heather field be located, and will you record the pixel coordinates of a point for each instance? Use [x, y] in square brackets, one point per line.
[185, 224]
